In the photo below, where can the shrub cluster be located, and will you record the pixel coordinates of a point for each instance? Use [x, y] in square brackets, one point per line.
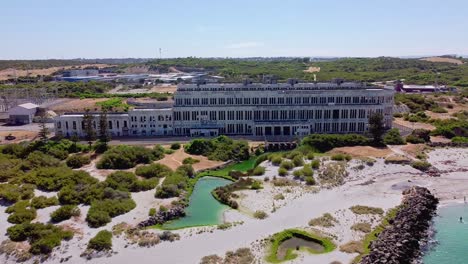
[175, 146]
[224, 193]
[421, 165]
[341, 157]
[258, 171]
[77, 161]
[64, 213]
[220, 148]
[393, 137]
[101, 241]
[325, 142]
[128, 182]
[125, 157]
[419, 136]
[153, 170]
[11, 193]
[190, 161]
[175, 183]
[42, 237]
[40, 202]
[101, 212]
[21, 212]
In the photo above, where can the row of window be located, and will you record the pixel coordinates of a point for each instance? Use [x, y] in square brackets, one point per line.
[334, 127]
[284, 100]
[151, 118]
[264, 115]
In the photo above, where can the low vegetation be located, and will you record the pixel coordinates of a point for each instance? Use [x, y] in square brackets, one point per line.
[241, 256]
[125, 157]
[220, 148]
[64, 213]
[421, 165]
[326, 220]
[393, 137]
[361, 209]
[326, 142]
[78, 161]
[101, 241]
[42, 237]
[363, 227]
[260, 214]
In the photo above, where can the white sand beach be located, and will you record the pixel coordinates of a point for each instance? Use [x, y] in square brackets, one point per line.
[379, 185]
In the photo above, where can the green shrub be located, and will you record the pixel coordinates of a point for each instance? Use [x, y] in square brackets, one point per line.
[298, 174]
[419, 136]
[38, 159]
[326, 142]
[341, 157]
[258, 171]
[175, 146]
[12, 193]
[315, 164]
[276, 160]
[22, 215]
[310, 180]
[163, 208]
[282, 171]
[260, 214]
[190, 161]
[128, 182]
[102, 241]
[65, 212]
[219, 148]
[167, 191]
[152, 212]
[393, 137]
[58, 153]
[438, 109]
[42, 237]
[421, 165]
[256, 185]
[43, 202]
[307, 170]
[288, 165]
[310, 156]
[326, 220]
[460, 139]
[125, 157]
[101, 212]
[298, 161]
[362, 209]
[153, 170]
[77, 161]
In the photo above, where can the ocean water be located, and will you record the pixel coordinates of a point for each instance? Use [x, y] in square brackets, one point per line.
[451, 236]
[203, 208]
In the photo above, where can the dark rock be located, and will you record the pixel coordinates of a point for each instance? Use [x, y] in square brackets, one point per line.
[163, 216]
[399, 242]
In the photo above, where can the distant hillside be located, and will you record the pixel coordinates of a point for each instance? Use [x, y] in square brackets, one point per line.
[444, 59]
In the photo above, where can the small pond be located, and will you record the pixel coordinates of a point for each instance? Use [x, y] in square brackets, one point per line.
[203, 208]
[295, 243]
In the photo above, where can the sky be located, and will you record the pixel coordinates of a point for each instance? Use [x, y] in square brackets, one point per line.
[46, 29]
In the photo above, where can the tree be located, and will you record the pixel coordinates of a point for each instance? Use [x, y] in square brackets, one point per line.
[90, 133]
[104, 135]
[376, 127]
[44, 130]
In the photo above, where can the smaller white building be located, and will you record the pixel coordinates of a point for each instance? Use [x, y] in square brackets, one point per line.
[22, 114]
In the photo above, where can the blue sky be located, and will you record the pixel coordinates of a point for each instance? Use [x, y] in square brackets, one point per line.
[33, 29]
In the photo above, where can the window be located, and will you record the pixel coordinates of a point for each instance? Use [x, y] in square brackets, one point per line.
[74, 124]
[336, 114]
[110, 124]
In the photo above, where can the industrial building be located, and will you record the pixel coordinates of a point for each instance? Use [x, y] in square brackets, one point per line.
[22, 114]
[250, 109]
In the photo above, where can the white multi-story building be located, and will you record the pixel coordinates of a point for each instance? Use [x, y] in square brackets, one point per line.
[252, 109]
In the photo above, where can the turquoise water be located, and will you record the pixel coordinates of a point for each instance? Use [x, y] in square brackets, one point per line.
[203, 209]
[452, 236]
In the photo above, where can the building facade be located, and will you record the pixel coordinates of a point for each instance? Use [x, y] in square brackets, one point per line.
[254, 109]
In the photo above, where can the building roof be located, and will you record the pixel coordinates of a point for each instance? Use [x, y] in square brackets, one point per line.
[28, 105]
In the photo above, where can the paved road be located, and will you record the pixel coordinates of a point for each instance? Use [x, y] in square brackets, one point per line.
[28, 127]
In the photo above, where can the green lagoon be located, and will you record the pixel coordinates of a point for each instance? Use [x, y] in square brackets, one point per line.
[203, 208]
[451, 235]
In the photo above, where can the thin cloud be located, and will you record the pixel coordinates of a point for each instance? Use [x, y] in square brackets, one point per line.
[245, 45]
